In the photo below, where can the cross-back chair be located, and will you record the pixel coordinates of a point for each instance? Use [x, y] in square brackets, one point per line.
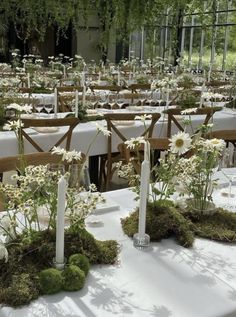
[14, 163]
[156, 144]
[65, 96]
[173, 114]
[70, 123]
[114, 125]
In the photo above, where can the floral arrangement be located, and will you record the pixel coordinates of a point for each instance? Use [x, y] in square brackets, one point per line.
[27, 232]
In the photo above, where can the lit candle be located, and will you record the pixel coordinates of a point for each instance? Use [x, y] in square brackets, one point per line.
[76, 104]
[55, 101]
[144, 188]
[61, 206]
[28, 80]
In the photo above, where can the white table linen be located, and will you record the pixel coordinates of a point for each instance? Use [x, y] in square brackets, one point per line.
[84, 133]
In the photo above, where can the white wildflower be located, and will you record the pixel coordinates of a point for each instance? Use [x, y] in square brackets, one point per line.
[143, 117]
[19, 108]
[67, 156]
[189, 111]
[217, 144]
[13, 125]
[102, 129]
[134, 142]
[180, 143]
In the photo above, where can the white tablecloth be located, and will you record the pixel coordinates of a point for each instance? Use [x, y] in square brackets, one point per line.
[165, 281]
[84, 133]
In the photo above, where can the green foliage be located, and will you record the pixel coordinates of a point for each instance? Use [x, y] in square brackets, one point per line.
[50, 281]
[81, 261]
[73, 278]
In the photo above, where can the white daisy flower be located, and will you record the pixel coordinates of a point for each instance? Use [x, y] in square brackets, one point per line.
[217, 144]
[143, 117]
[102, 129]
[189, 111]
[134, 142]
[180, 143]
[25, 108]
[13, 125]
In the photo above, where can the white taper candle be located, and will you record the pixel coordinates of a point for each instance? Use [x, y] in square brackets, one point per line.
[144, 188]
[61, 206]
[76, 103]
[55, 101]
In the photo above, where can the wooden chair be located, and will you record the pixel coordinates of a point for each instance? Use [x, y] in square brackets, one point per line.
[65, 96]
[13, 163]
[156, 144]
[229, 136]
[207, 114]
[70, 123]
[110, 158]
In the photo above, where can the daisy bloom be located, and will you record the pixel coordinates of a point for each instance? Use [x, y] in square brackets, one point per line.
[102, 129]
[143, 117]
[13, 125]
[134, 142]
[189, 111]
[217, 144]
[180, 143]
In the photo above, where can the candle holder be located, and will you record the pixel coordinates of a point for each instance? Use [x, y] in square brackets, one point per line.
[141, 241]
[59, 266]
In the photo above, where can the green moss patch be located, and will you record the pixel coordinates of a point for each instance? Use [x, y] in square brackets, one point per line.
[164, 221]
[29, 273]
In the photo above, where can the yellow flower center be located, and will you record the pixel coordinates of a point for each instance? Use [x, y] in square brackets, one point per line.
[179, 142]
[215, 141]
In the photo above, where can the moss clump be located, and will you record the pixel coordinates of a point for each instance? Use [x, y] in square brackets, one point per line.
[81, 261]
[73, 278]
[22, 290]
[164, 220]
[221, 226]
[50, 281]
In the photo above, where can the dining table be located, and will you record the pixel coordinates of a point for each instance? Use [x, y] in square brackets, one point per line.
[162, 280]
[84, 133]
